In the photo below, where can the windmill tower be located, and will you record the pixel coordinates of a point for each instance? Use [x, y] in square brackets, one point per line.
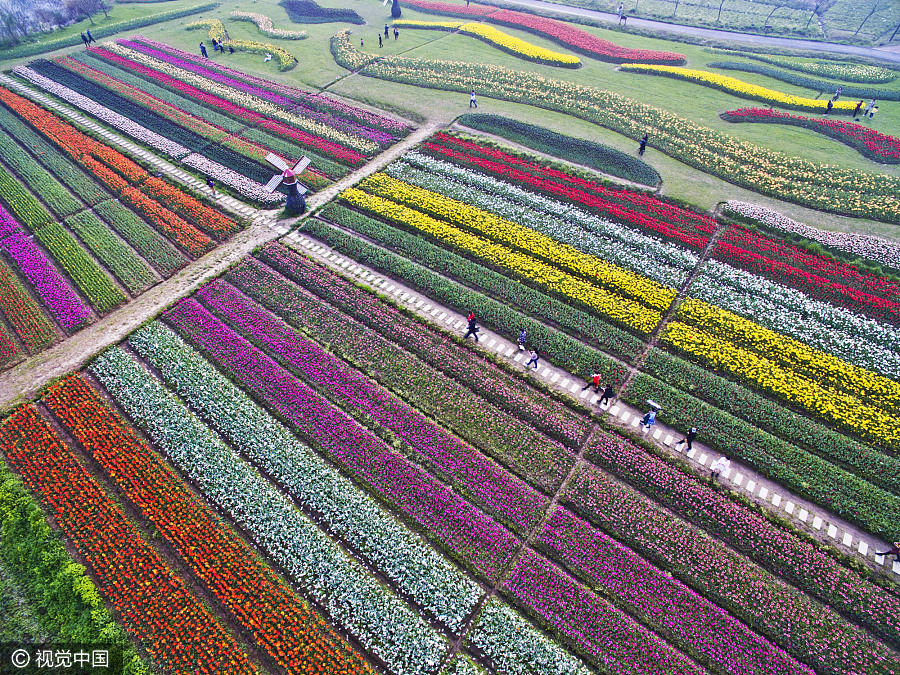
[296, 202]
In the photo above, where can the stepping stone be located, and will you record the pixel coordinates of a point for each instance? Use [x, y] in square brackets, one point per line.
[817, 523]
[564, 383]
[418, 303]
[545, 372]
[442, 315]
[832, 531]
[518, 356]
[583, 394]
[668, 440]
[763, 493]
[879, 559]
[615, 410]
[895, 568]
[555, 377]
[863, 548]
[848, 539]
[448, 319]
[750, 486]
[492, 342]
[804, 514]
[776, 499]
[575, 389]
[345, 264]
[509, 352]
[434, 311]
[635, 422]
[738, 478]
[702, 459]
[626, 416]
[727, 473]
[657, 434]
[594, 399]
[789, 507]
[692, 453]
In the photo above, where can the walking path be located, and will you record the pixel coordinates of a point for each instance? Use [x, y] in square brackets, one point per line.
[802, 514]
[714, 34]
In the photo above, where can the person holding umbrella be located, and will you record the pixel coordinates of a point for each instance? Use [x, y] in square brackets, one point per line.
[650, 418]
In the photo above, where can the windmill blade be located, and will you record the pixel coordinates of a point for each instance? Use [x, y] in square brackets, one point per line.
[384, 4]
[301, 189]
[273, 182]
[276, 161]
[301, 165]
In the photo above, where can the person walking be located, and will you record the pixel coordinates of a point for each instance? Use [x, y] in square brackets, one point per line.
[856, 112]
[894, 550]
[379, 41]
[608, 394]
[473, 329]
[203, 51]
[535, 357]
[643, 145]
[837, 94]
[649, 419]
[595, 381]
[719, 467]
[215, 45]
[872, 112]
[385, 31]
[689, 438]
[472, 102]
[396, 33]
[90, 37]
[84, 39]
[620, 11]
[828, 107]
[523, 339]
[211, 184]
[470, 316]
[869, 107]
[361, 42]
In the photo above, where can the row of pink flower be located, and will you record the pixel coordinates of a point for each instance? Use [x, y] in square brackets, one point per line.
[484, 545]
[316, 100]
[206, 71]
[485, 481]
[880, 145]
[552, 29]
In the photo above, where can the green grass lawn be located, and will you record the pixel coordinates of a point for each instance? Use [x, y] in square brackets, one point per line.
[316, 69]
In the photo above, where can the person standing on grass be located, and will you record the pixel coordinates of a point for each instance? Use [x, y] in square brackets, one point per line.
[385, 31]
[894, 550]
[608, 393]
[689, 438]
[472, 102]
[828, 106]
[396, 33]
[595, 381]
[84, 39]
[869, 107]
[203, 51]
[837, 94]
[90, 37]
[230, 49]
[872, 112]
[535, 357]
[643, 145]
[719, 467]
[856, 112]
[379, 42]
[473, 329]
[523, 338]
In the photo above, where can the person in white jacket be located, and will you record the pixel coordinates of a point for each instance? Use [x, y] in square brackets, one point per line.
[720, 466]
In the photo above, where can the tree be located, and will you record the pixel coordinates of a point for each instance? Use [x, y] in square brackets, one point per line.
[79, 9]
[766, 24]
[813, 13]
[395, 9]
[868, 16]
[721, 4]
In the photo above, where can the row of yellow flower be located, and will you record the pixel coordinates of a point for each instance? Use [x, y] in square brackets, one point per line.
[839, 408]
[246, 100]
[504, 41]
[832, 372]
[483, 223]
[738, 87]
[217, 31]
[614, 307]
[821, 186]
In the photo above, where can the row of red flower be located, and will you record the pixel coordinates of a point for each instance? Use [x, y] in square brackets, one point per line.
[558, 31]
[880, 147]
[154, 604]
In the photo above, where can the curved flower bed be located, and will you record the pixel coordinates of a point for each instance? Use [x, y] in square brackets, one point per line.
[217, 32]
[732, 85]
[266, 27]
[501, 40]
[880, 250]
[868, 142]
[558, 31]
[843, 72]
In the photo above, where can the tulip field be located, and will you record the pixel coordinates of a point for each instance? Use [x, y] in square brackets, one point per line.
[283, 457]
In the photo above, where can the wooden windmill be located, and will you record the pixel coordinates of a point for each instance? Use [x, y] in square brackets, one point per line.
[296, 202]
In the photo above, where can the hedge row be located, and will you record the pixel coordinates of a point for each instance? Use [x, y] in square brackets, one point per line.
[809, 82]
[104, 31]
[556, 345]
[68, 606]
[581, 151]
[307, 11]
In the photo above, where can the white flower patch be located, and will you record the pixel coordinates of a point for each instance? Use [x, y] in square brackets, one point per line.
[857, 339]
[874, 248]
[666, 253]
[517, 647]
[246, 186]
[611, 250]
[136, 131]
[352, 597]
[417, 569]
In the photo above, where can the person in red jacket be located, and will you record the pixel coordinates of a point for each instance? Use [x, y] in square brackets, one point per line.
[595, 381]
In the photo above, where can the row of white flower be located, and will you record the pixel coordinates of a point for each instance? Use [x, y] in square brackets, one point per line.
[857, 339]
[383, 623]
[266, 26]
[433, 582]
[233, 179]
[123, 124]
[250, 101]
[666, 262]
[873, 248]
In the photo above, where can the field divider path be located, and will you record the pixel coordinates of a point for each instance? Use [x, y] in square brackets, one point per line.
[772, 497]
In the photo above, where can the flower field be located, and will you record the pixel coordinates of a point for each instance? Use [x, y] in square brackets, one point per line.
[266, 26]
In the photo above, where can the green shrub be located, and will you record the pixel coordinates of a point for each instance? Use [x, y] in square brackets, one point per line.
[595, 155]
[307, 11]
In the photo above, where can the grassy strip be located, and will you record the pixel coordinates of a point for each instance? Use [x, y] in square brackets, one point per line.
[24, 314]
[578, 150]
[492, 298]
[20, 617]
[67, 605]
[128, 268]
[28, 210]
[92, 281]
[845, 71]
[37, 179]
[80, 183]
[104, 31]
[154, 248]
